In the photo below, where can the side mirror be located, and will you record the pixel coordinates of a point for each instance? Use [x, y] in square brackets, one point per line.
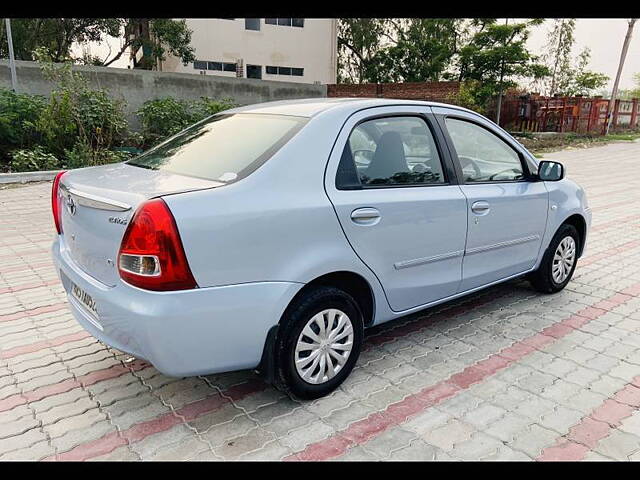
[550, 171]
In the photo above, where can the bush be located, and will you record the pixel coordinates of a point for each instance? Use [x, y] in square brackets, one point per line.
[84, 155]
[205, 107]
[79, 126]
[33, 160]
[164, 117]
[77, 114]
[18, 114]
[468, 97]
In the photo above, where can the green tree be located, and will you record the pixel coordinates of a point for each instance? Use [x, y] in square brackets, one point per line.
[579, 80]
[632, 92]
[360, 43]
[56, 36]
[422, 52]
[558, 53]
[495, 55]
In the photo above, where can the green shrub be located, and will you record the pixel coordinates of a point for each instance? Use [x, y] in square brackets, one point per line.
[84, 155]
[79, 126]
[77, 114]
[18, 114]
[469, 96]
[33, 160]
[205, 107]
[164, 117]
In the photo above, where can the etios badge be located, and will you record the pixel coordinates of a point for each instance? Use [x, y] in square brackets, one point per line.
[118, 220]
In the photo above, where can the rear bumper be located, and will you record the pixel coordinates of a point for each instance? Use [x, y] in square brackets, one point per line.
[184, 333]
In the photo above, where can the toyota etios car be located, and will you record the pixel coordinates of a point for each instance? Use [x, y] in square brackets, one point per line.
[271, 236]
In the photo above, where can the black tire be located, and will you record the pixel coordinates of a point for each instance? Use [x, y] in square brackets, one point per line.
[293, 321]
[542, 279]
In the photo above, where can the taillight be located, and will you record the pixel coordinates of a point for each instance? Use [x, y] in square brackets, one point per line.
[55, 201]
[151, 254]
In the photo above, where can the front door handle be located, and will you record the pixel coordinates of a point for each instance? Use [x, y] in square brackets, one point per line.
[480, 207]
[365, 216]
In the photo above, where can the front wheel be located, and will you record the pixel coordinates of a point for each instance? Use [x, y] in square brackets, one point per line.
[318, 343]
[559, 261]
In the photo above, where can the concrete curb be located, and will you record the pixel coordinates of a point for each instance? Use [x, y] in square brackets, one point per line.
[24, 177]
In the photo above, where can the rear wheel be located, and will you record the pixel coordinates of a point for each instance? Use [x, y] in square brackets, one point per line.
[559, 261]
[319, 342]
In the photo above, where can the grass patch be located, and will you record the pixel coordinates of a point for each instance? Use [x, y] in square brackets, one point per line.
[544, 144]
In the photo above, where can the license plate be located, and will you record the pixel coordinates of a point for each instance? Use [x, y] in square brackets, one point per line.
[84, 298]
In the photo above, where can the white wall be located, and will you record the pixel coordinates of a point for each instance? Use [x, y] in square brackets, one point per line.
[312, 47]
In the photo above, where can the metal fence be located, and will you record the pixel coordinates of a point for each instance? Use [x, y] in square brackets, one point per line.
[566, 114]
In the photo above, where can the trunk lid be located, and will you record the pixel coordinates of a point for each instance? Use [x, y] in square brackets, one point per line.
[97, 204]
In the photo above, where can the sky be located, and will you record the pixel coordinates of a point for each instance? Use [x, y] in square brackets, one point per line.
[604, 36]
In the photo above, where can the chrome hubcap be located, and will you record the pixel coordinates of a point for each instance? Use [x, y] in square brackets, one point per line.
[563, 259]
[324, 346]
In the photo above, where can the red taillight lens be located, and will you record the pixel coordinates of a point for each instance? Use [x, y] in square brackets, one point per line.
[151, 255]
[55, 202]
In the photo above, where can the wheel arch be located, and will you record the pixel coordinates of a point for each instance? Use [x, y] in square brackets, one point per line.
[352, 283]
[579, 222]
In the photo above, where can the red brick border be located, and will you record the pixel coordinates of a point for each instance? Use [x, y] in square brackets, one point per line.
[33, 311]
[29, 286]
[64, 386]
[585, 435]
[140, 431]
[34, 347]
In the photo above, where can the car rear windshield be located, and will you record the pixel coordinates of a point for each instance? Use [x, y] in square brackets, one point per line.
[224, 147]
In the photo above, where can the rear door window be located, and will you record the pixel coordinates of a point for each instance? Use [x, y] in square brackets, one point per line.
[392, 151]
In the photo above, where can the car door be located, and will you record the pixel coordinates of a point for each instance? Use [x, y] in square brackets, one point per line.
[507, 207]
[394, 191]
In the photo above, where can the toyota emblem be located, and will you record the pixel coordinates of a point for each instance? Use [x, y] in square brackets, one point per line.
[71, 205]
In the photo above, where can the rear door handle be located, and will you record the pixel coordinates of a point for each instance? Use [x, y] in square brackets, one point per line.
[480, 207]
[365, 216]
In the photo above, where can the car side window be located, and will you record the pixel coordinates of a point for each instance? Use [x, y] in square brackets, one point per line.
[390, 151]
[483, 156]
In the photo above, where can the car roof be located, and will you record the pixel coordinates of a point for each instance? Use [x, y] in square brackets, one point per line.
[309, 107]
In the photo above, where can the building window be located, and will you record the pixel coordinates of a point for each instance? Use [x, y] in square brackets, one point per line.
[285, 22]
[252, 24]
[216, 66]
[254, 71]
[296, 72]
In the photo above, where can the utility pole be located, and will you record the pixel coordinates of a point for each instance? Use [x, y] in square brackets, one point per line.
[623, 54]
[12, 60]
[506, 22]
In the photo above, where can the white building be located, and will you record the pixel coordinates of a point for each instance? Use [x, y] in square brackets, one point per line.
[286, 49]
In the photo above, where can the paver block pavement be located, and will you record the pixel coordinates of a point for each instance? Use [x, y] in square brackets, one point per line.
[509, 374]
